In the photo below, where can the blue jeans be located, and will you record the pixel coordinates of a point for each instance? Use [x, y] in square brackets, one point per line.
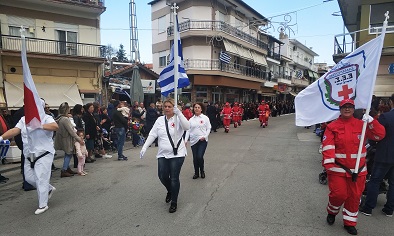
[379, 171]
[198, 150]
[121, 134]
[66, 163]
[168, 170]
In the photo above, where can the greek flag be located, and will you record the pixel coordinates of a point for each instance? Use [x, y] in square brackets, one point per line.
[299, 74]
[224, 57]
[166, 79]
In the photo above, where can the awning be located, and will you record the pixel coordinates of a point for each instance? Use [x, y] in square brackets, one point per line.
[53, 94]
[258, 59]
[316, 75]
[310, 73]
[237, 50]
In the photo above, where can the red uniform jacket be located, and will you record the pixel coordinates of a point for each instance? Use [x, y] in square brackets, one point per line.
[227, 113]
[262, 109]
[340, 144]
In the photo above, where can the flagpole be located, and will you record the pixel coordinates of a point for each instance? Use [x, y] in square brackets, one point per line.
[176, 66]
[355, 174]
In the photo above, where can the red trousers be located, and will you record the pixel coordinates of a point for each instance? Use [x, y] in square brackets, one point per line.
[347, 193]
[263, 119]
[226, 122]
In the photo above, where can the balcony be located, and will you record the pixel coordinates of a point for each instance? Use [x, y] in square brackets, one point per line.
[99, 3]
[219, 26]
[52, 47]
[300, 82]
[216, 65]
[273, 55]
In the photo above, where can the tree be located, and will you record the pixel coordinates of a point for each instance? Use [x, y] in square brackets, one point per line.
[109, 52]
[121, 54]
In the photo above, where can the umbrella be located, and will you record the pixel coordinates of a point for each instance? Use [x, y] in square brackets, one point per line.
[136, 92]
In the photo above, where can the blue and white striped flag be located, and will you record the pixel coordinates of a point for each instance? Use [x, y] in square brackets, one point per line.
[166, 79]
[224, 57]
[299, 74]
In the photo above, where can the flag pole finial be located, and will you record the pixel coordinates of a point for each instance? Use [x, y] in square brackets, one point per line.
[22, 30]
[387, 16]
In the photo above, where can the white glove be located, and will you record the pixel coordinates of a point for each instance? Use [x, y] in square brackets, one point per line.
[1, 138]
[142, 153]
[177, 111]
[367, 118]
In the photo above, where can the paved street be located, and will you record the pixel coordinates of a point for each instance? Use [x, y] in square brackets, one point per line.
[259, 182]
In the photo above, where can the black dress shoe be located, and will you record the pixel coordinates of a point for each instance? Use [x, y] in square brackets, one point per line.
[202, 174]
[330, 219]
[168, 197]
[172, 207]
[195, 176]
[351, 229]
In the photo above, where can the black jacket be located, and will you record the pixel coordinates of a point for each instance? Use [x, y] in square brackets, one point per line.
[119, 120]
[385, 148]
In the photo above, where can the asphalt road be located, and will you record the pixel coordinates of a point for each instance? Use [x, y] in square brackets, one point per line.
[258, 182]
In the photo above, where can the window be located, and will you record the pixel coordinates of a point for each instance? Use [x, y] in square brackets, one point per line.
[15, 31]
[222, 16]
[163, 58]
[162, 26]
[201, 94]
[67, 42]
[376, 18]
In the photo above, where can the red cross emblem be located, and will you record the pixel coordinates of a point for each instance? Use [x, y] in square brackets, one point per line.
[172, 125]
[345, 92]
[201, 122]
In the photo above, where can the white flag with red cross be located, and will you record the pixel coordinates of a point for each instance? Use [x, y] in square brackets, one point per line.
[353, 77]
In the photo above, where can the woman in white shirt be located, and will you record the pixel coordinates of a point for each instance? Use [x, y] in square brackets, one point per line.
[169, 130]
[200, 127]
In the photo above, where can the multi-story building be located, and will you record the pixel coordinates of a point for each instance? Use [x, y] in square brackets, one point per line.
[208, 28]
[300, 69]
[363, 19]
[63, 50]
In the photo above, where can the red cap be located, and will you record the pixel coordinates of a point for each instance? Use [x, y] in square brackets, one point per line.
[227, 104]
[263, 101]
[346, 101]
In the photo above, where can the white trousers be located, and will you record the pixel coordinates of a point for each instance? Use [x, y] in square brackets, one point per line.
[39, 177]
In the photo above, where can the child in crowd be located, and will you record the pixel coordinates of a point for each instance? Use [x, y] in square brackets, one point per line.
[82, 153]
[124, 109]
[136, 131]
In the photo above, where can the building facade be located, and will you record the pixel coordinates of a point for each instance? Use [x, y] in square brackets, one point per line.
[208, 28]
[363, 19]
[63, 50]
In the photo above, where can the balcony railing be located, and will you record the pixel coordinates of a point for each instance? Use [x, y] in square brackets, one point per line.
[45, 46]
[216, 65]
[273, 55]
[100, 3]
[218, 26]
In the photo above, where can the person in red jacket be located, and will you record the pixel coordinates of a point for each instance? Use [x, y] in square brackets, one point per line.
[262, 109]
[187, 112]
[241, 114]
[236, 114]
[267, 113]
[340, 146]
[227, 114]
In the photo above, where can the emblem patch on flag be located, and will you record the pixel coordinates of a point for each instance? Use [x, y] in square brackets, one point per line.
[339, 84]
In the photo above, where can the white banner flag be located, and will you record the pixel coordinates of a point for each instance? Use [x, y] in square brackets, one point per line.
[353, 77]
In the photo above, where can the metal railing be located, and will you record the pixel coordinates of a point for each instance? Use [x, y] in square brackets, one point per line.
[273, 55]
[100, 3]
[347, 43]
[46, 46]
[216, 65]
[218, 26]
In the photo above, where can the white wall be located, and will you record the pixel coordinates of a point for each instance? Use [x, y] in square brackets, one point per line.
[197, 52]
[195, 13]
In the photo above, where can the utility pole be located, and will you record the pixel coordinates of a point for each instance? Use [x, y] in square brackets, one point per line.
[134, 45]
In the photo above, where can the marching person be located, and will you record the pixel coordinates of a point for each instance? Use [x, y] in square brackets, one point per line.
[262, 109]
[236, 110]
[227, 114]
[340, 146]
[383, 166]
[200, 128]
[170, 157]
[38, 171]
